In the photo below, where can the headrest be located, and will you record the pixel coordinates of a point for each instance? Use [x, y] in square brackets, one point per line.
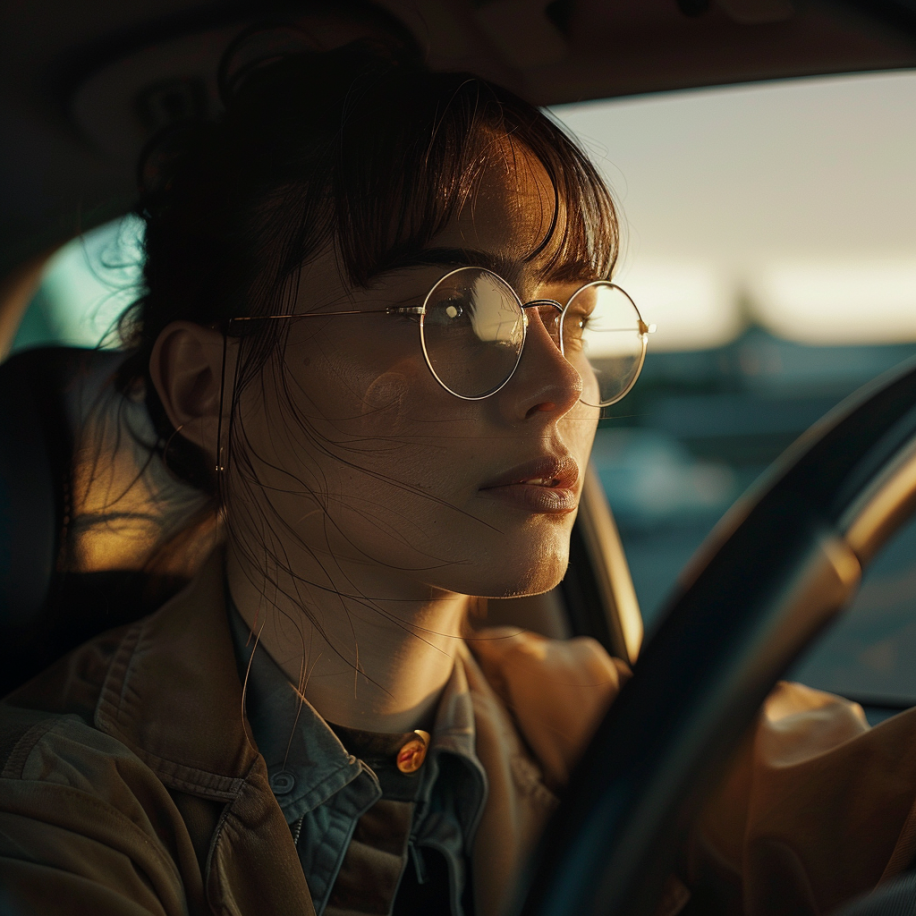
[84, 502]
[35, 453]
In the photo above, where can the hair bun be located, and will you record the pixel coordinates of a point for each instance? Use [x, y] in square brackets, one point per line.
[251, 55]
[256, 48]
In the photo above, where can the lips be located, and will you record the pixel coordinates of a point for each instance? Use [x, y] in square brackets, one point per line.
[546, 484]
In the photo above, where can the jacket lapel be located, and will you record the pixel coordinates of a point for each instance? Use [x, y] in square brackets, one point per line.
[535, 699]
[518, 803]
[254, 865]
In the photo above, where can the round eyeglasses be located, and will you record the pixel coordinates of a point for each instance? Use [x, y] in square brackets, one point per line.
[473, 328]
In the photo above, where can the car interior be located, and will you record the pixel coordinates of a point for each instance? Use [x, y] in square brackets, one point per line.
[84, 89]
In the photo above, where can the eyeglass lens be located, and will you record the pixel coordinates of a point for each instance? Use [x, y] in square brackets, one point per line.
[604, 339]
[473, 334]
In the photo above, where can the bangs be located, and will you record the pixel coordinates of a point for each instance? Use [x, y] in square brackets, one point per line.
[412, 153]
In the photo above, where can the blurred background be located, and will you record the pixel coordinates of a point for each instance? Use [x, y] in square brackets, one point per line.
[769, 232]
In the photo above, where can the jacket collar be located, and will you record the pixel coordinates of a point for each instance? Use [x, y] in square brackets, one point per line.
[173, 695]
[306, 762]
[193, 736]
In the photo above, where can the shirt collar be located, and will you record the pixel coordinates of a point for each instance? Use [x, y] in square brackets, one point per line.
[306, 763]
[454, 737]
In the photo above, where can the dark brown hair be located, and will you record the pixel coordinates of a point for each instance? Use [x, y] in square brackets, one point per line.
[362, 148]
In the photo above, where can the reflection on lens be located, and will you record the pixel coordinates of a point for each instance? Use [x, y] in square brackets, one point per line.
[472, 331]
[604, 338]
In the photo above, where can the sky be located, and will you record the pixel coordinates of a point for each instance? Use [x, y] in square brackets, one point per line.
[790, 203]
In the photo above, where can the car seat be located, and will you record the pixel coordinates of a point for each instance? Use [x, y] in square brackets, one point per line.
[81, 507]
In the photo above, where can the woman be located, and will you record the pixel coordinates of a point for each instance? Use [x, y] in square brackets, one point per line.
[334, 347]
[378, 334]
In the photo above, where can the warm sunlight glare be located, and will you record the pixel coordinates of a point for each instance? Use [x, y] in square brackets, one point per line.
[691, 304]
[839, 303]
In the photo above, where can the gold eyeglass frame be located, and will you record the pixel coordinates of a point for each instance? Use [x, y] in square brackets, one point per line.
[421, 310]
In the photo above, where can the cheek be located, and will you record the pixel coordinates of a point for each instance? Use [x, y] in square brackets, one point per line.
[385, 405]
[386, 419]
[380, 460]
[403, 433]
[579, 428]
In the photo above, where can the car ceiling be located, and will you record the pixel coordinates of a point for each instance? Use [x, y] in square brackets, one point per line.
[84, 85]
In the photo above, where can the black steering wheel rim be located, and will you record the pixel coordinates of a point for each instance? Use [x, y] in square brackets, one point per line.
[778, 569]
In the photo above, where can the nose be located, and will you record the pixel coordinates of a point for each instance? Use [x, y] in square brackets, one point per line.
[544, 382]
[551, 313]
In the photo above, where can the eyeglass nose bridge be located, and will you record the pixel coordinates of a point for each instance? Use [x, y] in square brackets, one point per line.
[553, 328]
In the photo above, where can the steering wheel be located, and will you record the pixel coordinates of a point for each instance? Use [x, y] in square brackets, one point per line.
[777, 569]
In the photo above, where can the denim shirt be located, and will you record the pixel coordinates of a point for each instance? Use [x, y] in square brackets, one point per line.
[323, 790]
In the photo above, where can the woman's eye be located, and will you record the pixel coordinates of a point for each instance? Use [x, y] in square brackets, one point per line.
[576, 324]
[452, 309]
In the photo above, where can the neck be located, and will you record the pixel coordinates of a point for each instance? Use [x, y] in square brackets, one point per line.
[377, 663]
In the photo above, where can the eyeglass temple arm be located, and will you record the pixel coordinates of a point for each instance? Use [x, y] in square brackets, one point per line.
[411, 310]
[644, 328]
[400, 310]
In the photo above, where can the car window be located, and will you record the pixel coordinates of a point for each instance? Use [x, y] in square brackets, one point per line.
[768, 234]
[868, 654]
[86, 285]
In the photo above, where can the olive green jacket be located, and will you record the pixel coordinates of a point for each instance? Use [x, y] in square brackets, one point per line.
[130, 782]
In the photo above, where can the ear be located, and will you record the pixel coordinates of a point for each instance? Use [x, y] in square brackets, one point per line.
[186, 367]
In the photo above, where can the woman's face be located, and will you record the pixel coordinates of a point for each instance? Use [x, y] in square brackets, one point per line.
[366, 459]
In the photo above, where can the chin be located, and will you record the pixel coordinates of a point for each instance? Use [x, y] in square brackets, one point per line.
[509, 580]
